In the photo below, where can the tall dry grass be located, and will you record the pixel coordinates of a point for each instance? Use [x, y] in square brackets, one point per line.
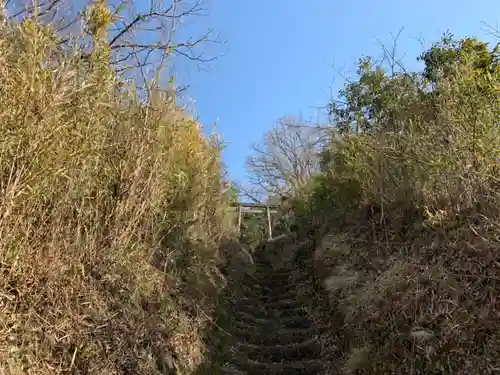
[411, 262]
[110, 218]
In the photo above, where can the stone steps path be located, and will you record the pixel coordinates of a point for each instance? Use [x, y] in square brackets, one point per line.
[273, 333]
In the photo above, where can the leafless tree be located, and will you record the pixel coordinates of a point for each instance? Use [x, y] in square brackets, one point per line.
[286, 157]
[249, 192]
[143, 36]
[153, 34]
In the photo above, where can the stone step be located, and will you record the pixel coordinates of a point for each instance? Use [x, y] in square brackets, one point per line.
[270, 292]
[263, 303]
[253, 289]
[281, 304]
[311, 367]
[245, 321]
[276, 285]
[248, 307]
[266, 272]
[262, 309]
[265, 263]
[262, 296]
[261, 263]
[272, 330]
[232, 370]
[258, 312]
[285, 274]
[304, 350]
[258, 335]
[285, 336]
[281, 289]
[300, 311]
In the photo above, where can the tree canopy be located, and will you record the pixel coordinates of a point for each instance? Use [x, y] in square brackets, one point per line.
[382, 100]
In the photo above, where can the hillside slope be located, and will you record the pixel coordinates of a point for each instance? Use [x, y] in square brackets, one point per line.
[111, 218]
[405, 211]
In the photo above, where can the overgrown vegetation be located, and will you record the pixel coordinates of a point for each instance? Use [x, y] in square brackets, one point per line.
[113, 223]
[111, 215]
[285, 159]
[407, 201]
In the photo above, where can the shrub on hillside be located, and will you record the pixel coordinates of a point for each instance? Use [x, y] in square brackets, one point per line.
[415, 272]
[111, 217]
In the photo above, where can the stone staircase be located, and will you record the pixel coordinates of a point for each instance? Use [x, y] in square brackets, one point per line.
[272, 331]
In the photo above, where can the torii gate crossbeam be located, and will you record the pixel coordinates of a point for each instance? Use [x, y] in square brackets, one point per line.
[254, 207]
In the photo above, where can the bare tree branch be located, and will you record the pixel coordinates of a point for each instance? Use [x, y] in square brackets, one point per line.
[287, 156]
[491, 30]
[142, 36]
[156, 30]
[251, 193]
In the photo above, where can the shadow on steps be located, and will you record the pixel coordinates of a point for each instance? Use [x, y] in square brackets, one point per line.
[264, 324]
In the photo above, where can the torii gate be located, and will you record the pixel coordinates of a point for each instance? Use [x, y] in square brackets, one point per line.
[256, 208]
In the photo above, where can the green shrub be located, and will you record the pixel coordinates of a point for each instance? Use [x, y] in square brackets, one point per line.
[418, 198]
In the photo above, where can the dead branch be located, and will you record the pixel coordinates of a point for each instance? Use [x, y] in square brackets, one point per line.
[137, 38]
[286, 157]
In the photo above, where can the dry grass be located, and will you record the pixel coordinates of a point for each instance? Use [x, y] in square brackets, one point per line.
[414, 273]
[111, 217]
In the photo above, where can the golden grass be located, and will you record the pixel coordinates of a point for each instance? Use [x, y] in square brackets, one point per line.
[111, 218]
[411, 262]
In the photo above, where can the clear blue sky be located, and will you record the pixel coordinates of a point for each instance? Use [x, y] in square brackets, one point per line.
[282, 55]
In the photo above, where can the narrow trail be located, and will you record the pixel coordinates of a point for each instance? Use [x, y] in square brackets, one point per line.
[273, 332]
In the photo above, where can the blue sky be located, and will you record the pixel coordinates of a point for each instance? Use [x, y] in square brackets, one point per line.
[282, 56]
